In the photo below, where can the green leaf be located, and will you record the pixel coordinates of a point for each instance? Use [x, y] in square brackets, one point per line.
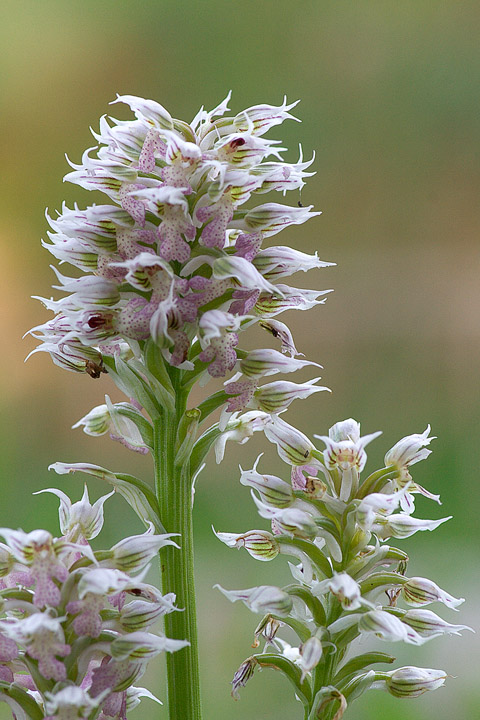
[186, 434]
[291, 671]
[360, 662]
[382, 578]
[202, 446]
[323, 698]
[165, 397]
[144, 427]
[135, 386]
[18, 695]
[212, 403]
[357, 685]
[156, 364]
[312, 603]
[309, 549]
[376, 481]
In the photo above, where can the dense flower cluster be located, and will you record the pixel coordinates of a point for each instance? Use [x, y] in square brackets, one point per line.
[336, 525]
[75, 626]
[175, 257]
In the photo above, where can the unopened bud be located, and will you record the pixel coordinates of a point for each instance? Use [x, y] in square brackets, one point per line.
[411, 681]
[272, 489]
[260, 544]
[266, 361]
[418, 591]
[293, 446]
[311, 653]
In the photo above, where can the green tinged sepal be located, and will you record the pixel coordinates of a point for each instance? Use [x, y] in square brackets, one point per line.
[202, 446]
[136, 381]
[292, 673]
[358, 685]
[156, 366]
[298, 547]
[144, 427]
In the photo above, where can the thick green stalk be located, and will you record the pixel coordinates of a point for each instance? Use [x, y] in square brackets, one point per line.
[174, 492]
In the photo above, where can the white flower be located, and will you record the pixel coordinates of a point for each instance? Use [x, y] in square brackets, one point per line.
[80, 519]
[240, 428]
[428, 625]
[345, 588]
[263, 599]
[401, 525]
[70, 702]
[345, 448]
[409, 450]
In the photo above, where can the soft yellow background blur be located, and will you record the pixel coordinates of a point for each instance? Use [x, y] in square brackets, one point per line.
[390, 104]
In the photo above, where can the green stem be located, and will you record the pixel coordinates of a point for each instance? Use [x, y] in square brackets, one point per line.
[174, 492]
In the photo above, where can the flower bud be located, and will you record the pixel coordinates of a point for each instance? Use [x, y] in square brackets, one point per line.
[293, 446]
[311, 653]
[277, 396]
[242, 271]
[418, 591]
[266, 361]
[409, 682]
[272, 489]
[289, 521]
[280, 261]
[140, 614]
[271, 218]
[143, 646]
[134, 553]
[6, 560]
[260, 544]
[96, 422]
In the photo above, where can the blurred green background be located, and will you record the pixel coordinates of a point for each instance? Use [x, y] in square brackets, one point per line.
[390, 105]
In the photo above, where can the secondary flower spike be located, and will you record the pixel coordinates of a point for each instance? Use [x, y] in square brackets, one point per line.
[348, 584]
